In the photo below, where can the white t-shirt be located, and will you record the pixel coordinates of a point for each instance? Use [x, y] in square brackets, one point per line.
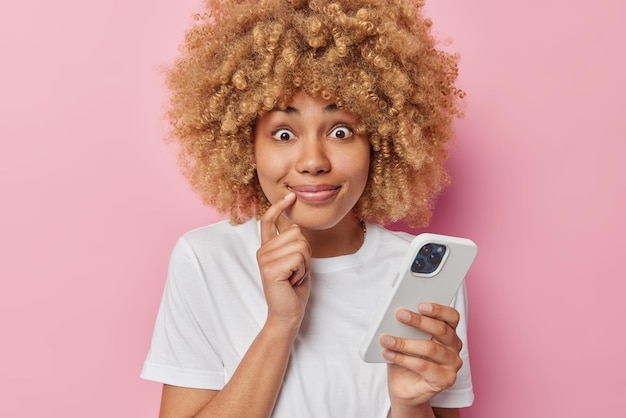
[213, 308]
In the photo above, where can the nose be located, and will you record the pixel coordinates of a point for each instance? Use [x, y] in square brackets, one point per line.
[312, 156]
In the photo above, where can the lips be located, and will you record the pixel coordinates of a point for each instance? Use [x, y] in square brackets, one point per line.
[315, 193]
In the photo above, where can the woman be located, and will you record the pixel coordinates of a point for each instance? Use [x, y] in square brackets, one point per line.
[303, 119]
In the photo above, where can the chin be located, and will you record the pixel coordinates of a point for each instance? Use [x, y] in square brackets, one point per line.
[313, 221]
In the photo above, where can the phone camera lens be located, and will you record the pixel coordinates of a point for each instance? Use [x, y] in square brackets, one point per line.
[418, 265]
[434, 260]
[426, 250]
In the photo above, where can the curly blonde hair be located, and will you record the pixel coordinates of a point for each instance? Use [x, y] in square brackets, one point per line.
[374, 58]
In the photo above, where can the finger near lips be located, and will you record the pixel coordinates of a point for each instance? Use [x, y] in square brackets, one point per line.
[269, 218]
[283, 256]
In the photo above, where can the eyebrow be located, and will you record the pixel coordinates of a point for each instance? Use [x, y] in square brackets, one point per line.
[291, 110]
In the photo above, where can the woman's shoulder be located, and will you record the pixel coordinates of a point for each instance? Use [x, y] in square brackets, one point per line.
[391, 237]
[384, 243]
[222, 236]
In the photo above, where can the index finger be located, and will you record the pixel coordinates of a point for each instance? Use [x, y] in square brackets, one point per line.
[268, 220]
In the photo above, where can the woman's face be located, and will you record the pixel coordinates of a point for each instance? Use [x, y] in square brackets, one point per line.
[311, 148]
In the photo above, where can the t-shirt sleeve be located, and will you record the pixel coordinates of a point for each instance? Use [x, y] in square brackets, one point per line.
[181, 353]
[460, 394]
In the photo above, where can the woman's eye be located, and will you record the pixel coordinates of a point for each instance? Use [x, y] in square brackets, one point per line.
[341, 132]
[283, 135]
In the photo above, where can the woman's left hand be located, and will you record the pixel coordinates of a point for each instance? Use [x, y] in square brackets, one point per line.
[420, 369]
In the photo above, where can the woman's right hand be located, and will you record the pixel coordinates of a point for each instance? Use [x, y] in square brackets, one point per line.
[284, 262]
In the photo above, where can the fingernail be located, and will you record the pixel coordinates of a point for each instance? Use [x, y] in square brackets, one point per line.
[425, 307]
[404, 316]
[388, 341]
[389, 355]
[289, 196]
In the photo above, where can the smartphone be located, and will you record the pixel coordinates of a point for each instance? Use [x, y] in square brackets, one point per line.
[432, 270]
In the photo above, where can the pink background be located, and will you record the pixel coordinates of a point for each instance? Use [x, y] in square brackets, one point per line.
[92, 202]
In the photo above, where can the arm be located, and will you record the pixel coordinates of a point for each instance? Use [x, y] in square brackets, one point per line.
[251, 392]
[284, 263]
[178, 401]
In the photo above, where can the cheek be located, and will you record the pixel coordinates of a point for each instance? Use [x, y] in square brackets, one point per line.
[357, 169]
[269, 166]
[362, 180]
[269, 174]
[364, 167]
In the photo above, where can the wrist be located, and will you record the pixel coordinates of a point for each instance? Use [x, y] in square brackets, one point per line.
[400, 410]
[282, 329]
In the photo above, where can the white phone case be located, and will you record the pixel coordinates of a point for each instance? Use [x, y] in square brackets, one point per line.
[409, 289]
